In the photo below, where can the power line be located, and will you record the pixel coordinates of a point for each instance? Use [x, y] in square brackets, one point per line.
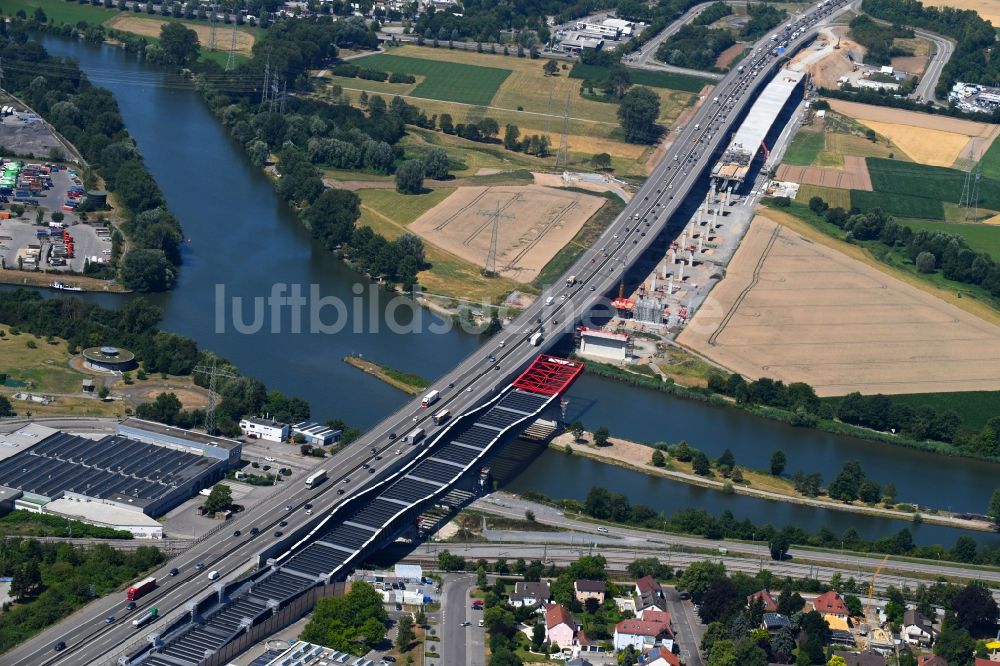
[213, 373]
[563, 156]
[490, 268]
[231, 61]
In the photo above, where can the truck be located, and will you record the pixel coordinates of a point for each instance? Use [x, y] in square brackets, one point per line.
[571, 280]
[145, 618]
[142, 587]
[441, 417]
[535, 339]
[316, 478]
[414, 436]
[430, 398]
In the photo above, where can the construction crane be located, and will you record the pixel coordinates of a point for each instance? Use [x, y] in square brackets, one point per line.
[870, 617]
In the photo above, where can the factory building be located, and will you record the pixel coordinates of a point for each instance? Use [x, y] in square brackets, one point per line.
[605, 345]
[118, 480]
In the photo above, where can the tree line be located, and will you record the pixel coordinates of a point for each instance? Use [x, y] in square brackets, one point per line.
[878, 39]
[89, 118]
[695, 46]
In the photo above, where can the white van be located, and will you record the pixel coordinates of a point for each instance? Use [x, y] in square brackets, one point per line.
[548, 301]
[212, 575]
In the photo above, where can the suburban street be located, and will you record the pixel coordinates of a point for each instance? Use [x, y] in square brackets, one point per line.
[460, 645]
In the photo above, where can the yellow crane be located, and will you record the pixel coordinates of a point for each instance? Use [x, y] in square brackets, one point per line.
[869, 614]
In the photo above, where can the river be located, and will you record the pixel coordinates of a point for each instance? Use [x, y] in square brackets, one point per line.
[241, 236]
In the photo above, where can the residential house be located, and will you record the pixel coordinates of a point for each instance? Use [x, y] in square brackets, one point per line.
[917, 629]
[269, 429]
[774, 622]
[932, 660]
[649, 594]
[560, 627]
[985, 662]
[660, 656]
[770, 605]
[654, 629]
[866, 658]
[529, 594]
[589, 589]
[830, 603]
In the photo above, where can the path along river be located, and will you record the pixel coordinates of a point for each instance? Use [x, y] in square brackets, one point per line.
[244, 240]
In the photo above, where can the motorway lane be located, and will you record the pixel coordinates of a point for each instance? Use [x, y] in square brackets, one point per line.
[598, 270]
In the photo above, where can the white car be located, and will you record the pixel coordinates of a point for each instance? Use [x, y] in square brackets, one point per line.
[269, 458]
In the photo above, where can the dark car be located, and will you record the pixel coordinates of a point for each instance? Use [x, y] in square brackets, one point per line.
[278, 533]
[392, 435]
[307, 505]
[450, 385]
[254, 531]
[237, 533]
[174, 571]
[371, 470]
[59, 647]
[283, 523]
[109, 619]
[199, 565]
[340, 491]
[130, 605]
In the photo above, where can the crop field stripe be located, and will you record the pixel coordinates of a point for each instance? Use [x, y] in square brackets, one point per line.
[899, 205]
[681, 82]
[445, 81]
[920, 180]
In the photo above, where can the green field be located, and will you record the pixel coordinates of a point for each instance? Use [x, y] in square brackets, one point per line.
[930, 182]
[991, 160]
[975, 407]
[980, 237]
[58, 11]
[805, 148]
[640, 77]
[899, 205]
[445, 81]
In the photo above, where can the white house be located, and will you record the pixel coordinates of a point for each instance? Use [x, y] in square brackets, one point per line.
[917, 629]
[269, 429]
[641, 634]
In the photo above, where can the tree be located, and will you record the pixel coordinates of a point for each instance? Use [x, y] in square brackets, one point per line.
[720, 601]
[726, 462]
[481, 580]
[601, 436]
[220, 499]
[926, 263]
[551, 68]
[576, 429]
[147, 270]
[618, 81]
[836, 660]
[537, 635]
[178, 43]
[446, 124]
[410, 177]
[778, 545]
[657, 459]
[27, 580]
[975, 609]
[511, 136]
[847, 484]
[965, 549]
[637, 114]
[994, 510]
[601, 161]
[954, 644]
[869, 492]
[529, 515]
[6, 409]
[817, 205]
[356, 619]
[700, 464]
[871, 136]
[404, 633]
[723, 654]
[699, 576]
[436, 164]
[777, 462]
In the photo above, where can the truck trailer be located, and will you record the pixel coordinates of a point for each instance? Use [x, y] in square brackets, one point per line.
[142, 587]
[145, 618]
[430, 398]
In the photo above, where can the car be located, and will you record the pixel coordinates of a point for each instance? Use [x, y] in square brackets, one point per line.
[496, 367]
[269, 459]
[284, 523]
[130, 605]
[288, 507]
[398, 451]
[602, 529]
[371, 470]
[307, 505]
[685, 595]
[309, 512]
[389, 659]
[482, 623]
[340, 491]
[392, 436]
[493, 359]
[278, 533]
[555, 322]
[450, 385]
[468, 390]
[347, 479]
[465, 623]
[237, 533]
[416, 418]
[254, 531]
[373, 449]
[174, 571]
[59, 647]
[365, 465]
[109, 619]
[199, 565]
[592, 288]
[378, 457]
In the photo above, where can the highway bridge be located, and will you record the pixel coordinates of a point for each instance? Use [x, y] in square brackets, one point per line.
[483, 386]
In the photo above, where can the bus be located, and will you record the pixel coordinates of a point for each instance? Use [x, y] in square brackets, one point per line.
[441, 417]
[316, 478]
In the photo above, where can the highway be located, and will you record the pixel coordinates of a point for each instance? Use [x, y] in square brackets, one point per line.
[943, 48]
[598, 270]
[644, 57]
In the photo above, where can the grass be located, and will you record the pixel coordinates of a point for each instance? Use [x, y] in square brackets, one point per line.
[931, 182]
[980, 237]
[595, 73]
[402, 209]
[404, 381]
[685, 368]
[991, 161]
[805, 148]
[60, 12]
[899, 205]
[29, 523]
[585, 238]
[833, 196]
[467, 157]
[45, 367]
[445, 81]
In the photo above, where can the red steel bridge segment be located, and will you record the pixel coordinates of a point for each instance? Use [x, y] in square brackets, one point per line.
[549, 375]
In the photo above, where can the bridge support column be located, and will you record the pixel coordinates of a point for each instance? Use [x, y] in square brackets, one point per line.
[673, 256]
[701, 244]
[670, 285]
[729, 192]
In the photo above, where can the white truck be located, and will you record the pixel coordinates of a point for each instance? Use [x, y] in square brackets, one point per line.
[535, 339]
[414, 436]
[571, 280]
[430, 398]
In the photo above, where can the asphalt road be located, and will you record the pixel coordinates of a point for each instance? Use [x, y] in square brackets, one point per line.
[943, 48]
[460, 645]
[599, 269]
[644, 58]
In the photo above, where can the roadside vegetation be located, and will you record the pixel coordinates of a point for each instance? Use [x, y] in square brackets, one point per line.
[31, 524]
[355, 622]
[51, 581]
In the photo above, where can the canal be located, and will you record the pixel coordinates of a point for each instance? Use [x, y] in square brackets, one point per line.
[243, 239]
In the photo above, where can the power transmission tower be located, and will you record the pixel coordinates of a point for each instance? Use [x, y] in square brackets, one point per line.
[490, 268]
[284, 96]
[548, 113]
[562, 158]
[231, 61]
[970, 189]
[267, 77]
[213, 374]
[211, 39]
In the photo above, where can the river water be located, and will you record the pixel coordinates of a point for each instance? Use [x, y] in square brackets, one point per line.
[244, 240]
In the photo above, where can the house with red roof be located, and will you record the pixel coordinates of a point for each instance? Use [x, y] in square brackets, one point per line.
[830, 603]
[770, 604]
[560, 627]
[653, 629]
[660, 656]
[649, 594]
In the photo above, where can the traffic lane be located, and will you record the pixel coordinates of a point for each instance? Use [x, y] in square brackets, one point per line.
[686, 627]
[454, 611]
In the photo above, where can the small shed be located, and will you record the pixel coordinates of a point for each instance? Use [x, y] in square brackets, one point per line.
[88, 385]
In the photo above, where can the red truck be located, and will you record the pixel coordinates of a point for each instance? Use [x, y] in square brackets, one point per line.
[140, 588]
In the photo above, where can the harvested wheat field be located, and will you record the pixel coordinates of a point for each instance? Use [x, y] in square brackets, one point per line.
[798, 311]
[536, 222]
[854, 175]
[150, 27]
[988, 9]
[928, 146]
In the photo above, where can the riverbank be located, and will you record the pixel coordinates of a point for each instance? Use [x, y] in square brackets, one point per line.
[637, 457]
[43, 279]
[404, 381]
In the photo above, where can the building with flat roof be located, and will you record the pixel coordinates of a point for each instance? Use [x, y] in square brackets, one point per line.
[105, 515]
[164, 435]
[316, 433]
[604, 344]
[108, 359]
[269, 429]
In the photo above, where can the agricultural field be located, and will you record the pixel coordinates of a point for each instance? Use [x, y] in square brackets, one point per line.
[988, 9]
[975, 407]
[928, 146]
[805, 148]
[149, 26]
[442, 80]
[936, 183]
[785, 296]
[899, 205]
[833, 196]
[59, 11]
[980, 237]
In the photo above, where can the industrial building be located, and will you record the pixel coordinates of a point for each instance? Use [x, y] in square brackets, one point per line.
[604, 344]
[307, 654]
[108, 359]
[316, 433]
[115, 480]
[269, 429]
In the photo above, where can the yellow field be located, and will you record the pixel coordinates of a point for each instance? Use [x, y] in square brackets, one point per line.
[838, 145]
[988, 9]
[928, 146]
[831, 195]
[150, 27]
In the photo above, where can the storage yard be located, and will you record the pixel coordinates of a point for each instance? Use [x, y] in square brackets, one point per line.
[535, 223]
[786, 297]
